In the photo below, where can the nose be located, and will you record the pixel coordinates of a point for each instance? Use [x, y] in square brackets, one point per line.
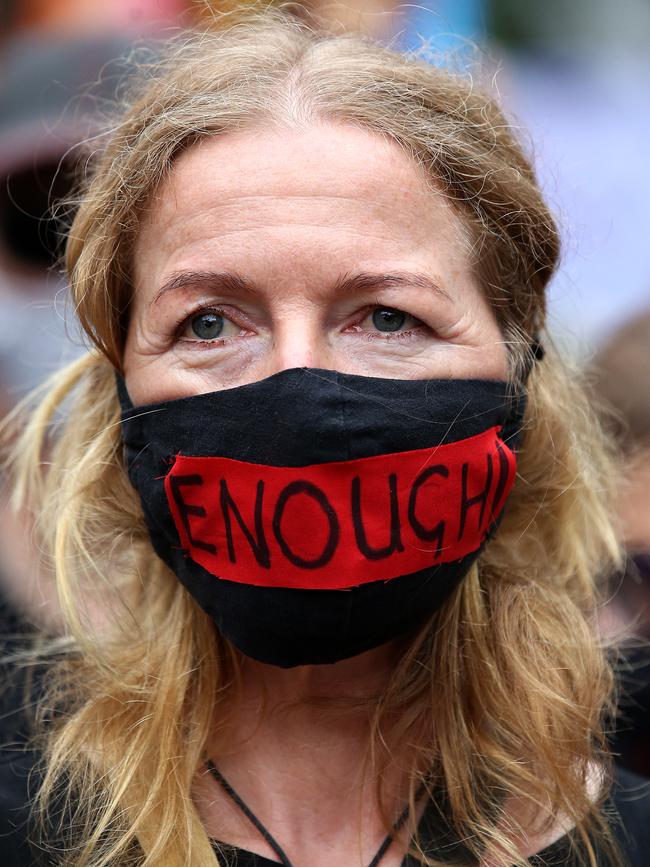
[299, 342]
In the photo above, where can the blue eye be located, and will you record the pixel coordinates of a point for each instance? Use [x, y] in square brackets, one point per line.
[388, 319]
[207, 326]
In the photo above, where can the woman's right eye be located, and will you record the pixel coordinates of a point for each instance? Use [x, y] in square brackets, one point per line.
[209, 325]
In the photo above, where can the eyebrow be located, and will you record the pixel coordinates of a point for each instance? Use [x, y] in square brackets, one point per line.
[344, 285]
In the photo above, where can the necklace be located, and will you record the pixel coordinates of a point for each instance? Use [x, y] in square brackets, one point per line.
[270, 839]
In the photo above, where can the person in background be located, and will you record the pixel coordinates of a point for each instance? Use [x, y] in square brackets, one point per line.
[61, 64]
[620, 373]
[58, 69]
[44, 113]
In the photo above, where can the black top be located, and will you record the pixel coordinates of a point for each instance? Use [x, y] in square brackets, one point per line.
[629, 806]
[630, 798]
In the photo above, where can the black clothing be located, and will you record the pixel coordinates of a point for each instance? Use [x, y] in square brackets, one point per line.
[630, 798]
[631, 742]
[17, 761]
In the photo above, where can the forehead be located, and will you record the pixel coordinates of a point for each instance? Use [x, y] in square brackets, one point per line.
[336, 187]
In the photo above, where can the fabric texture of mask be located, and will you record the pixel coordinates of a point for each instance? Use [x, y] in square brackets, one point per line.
[315, 515]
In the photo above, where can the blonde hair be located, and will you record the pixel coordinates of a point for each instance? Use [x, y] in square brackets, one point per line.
[503, 694]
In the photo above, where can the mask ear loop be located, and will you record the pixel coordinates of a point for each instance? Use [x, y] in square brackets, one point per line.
[122, 393]
[534, 354]
[537, 350]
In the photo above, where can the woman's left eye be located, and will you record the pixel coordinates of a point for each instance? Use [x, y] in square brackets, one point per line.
[208, 325]
[388, 320]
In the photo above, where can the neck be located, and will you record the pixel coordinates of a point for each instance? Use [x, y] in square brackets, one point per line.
[298, 753]
[360, 677]
[307, 720]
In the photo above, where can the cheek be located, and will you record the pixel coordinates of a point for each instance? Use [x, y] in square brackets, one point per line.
[153, 380]
[493, 363]
[140, 376]
[146, 372]
[491, 359]
[155, 372]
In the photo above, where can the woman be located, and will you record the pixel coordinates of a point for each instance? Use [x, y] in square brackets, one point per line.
[314, 271]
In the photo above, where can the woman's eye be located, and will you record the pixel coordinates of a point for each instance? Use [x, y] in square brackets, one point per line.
[388, 320]
[209, 325]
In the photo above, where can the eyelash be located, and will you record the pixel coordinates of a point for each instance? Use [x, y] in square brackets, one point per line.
[390, 335]
[367, 335]
[196, 342]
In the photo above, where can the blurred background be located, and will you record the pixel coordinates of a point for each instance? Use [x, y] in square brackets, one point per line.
[574, 75]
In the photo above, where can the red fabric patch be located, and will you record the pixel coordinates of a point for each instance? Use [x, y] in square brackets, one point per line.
[338, 525]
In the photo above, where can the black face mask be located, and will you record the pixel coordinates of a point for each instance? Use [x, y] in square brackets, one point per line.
[315, 515]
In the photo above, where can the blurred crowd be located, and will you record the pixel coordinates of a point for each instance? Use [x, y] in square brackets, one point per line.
[575, 75]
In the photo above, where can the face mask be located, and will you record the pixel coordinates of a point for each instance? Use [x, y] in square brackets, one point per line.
[315, 515]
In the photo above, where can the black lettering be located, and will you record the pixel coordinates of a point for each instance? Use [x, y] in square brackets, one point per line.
[187, 509]
[501, 482]
[437, 533]
[258, 541]
[479, 499]
[292, 490]
[395, 543]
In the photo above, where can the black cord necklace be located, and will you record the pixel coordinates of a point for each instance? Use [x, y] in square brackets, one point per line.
[270, 839]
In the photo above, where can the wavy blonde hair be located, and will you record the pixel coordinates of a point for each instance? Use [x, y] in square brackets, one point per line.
[505, 692]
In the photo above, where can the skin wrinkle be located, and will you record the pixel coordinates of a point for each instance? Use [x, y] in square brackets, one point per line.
[342, 286]
[282, 217]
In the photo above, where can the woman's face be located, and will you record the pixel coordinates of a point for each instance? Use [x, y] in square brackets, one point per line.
[268, 250]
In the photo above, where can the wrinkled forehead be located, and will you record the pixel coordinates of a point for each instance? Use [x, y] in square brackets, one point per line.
[327, 190]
